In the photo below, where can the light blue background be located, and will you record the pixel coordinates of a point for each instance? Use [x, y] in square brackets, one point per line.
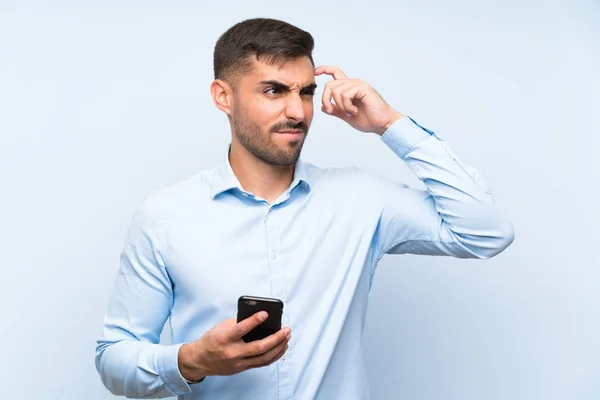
[101, 103]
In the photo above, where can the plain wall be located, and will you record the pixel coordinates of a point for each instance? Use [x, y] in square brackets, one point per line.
[103, 102]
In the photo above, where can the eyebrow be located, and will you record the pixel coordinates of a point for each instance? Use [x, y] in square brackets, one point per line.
[285, 87]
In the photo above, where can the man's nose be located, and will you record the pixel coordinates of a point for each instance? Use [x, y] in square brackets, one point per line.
[295, 107]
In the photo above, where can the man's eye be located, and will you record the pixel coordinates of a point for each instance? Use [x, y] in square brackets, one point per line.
[309, 92]
[275, 90]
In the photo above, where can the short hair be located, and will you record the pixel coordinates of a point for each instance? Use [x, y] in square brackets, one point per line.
[269, 40]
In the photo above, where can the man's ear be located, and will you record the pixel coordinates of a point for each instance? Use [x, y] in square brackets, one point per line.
[222, 95]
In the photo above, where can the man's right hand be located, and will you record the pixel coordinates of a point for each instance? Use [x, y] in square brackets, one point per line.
[221, 350]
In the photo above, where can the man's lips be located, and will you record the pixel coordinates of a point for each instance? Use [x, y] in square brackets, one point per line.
[292, 134]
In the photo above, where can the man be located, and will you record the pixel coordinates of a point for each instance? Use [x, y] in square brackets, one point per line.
[264, 223]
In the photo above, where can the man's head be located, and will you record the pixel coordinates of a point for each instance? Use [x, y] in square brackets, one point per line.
[264, 82]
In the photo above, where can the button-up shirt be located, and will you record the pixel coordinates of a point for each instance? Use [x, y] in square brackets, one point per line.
[193, 248]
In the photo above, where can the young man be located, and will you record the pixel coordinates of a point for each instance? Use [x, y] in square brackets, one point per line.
[264, 223]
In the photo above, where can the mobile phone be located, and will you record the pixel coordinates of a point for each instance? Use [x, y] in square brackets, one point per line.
[250, 305]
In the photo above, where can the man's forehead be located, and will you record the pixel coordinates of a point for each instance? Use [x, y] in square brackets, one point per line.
[293, 72]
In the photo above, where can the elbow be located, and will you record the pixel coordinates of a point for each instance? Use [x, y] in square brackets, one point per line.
[506, 236]
[503, 236]
[487, 241]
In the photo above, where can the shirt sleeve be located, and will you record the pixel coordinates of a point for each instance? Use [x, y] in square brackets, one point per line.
[456, 216]
[129, 358]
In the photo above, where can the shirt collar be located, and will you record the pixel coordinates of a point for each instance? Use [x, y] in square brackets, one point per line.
[225, 179]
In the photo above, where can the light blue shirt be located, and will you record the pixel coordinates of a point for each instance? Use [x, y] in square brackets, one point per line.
[194, 248]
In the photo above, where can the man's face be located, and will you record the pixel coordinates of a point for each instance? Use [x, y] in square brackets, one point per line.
[272, 99]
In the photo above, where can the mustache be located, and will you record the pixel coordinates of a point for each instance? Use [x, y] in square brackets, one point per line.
[287, 126]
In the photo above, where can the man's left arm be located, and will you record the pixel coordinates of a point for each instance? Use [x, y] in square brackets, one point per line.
[455, 216]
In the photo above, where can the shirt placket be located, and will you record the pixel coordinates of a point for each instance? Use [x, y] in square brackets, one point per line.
[278, 286]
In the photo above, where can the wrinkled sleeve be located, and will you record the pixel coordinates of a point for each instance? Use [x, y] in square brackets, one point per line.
[455, 216]
[129, 359]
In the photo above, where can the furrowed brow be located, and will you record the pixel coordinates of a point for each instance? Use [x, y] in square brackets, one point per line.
[282, 86]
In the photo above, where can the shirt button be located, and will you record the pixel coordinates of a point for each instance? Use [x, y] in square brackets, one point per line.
[274, 255]
[184, 388]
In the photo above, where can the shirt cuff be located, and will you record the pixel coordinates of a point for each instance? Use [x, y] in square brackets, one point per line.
[403, 135]
[169, 370]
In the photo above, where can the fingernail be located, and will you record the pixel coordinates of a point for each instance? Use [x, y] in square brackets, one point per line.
[263, 315]
[349, 114]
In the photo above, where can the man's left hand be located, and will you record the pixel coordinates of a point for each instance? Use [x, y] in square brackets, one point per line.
[356, 102]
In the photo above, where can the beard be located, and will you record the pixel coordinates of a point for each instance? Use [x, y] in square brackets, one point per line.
[261, 145]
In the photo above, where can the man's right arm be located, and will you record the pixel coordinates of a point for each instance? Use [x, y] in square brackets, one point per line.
[128, 357]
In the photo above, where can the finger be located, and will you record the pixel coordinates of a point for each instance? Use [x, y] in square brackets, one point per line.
[246, 325]
[279, 351]
[277, 357]
[268, 356]
[343, 96]
[336, 112]
[334, 71]
[328, 93]
[262, 346]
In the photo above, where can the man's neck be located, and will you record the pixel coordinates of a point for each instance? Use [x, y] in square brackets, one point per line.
[258, 177]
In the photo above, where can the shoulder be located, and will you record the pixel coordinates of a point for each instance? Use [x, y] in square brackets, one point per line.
[344, 180]
[191, 191]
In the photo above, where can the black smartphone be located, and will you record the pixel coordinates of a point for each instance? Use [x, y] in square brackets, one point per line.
[250, 305]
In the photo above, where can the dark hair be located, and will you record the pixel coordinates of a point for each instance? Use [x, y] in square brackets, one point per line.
[270, 40]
